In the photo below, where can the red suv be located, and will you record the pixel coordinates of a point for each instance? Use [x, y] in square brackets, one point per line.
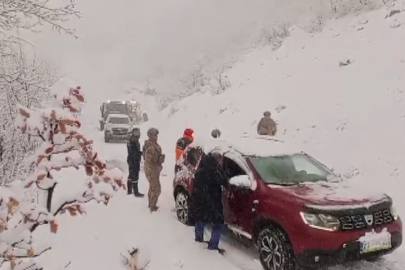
[292, 206]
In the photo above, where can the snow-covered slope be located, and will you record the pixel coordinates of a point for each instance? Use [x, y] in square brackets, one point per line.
[351, 117]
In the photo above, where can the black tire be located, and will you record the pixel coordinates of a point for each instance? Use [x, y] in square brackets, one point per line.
[374, 259]
[275, 251]
[182, 202]
[106, 140]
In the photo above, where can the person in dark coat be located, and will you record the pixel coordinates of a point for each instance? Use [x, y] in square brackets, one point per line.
[134, 162]
[206, 199]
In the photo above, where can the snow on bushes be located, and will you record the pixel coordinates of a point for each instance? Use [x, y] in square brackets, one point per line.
[59, 130]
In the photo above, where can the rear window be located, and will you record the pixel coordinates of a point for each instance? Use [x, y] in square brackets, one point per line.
[193, 155]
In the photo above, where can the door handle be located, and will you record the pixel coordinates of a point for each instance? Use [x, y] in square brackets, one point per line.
[254, 206]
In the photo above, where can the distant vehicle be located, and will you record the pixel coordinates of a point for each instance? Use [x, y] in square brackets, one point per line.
[292, 207]
[136, 113]
[130, 108]
[118, 127]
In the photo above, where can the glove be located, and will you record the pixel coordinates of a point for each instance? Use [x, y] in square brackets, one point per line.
[162, 158]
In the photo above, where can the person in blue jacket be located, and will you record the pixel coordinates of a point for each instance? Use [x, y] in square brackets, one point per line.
[134, 162]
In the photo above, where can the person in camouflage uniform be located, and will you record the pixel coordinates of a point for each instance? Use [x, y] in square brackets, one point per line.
[134, 162]
[152, 154]
[266, 125]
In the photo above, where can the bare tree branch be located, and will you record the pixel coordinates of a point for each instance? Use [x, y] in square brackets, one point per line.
[34, 14]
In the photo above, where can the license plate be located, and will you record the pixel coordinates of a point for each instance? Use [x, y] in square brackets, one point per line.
[377, 242]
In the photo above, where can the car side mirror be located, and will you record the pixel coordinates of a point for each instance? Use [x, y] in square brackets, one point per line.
[241, 182]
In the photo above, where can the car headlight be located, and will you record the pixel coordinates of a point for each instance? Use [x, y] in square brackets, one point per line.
[321, 221]
[394, 212]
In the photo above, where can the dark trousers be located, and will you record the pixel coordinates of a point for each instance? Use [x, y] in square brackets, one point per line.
[215, 234]
[133, 177]
[132, 182]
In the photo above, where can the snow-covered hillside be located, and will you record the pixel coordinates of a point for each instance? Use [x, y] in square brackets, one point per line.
[351, 117]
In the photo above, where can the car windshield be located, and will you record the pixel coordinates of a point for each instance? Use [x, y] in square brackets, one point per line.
[289, 169]
[117, 107]
[118, 120]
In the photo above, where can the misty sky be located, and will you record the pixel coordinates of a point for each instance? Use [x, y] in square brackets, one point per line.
[124, 41]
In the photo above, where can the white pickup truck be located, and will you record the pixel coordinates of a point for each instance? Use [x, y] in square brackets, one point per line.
[117, 127]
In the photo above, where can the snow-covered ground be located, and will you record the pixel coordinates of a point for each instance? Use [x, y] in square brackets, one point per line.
[350, 117]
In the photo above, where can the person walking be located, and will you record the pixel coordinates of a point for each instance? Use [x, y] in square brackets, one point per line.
[154, 160]
[206, 199]
[134, 162]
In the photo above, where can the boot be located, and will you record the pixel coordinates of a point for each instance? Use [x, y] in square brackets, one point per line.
[153, 208]
[136, 191]
[129, 187]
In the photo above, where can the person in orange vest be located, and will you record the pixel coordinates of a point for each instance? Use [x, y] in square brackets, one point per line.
[183, 142]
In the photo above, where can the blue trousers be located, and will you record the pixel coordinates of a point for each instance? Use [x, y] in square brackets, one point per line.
[215, 234]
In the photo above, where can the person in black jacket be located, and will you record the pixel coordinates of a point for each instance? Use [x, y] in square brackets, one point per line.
[206, 199]
[134, 162]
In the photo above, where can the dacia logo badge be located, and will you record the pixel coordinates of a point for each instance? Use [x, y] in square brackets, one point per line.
[369, 219]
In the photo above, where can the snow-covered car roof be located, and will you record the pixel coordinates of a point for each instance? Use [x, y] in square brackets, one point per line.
[248, 146]
[117, 115]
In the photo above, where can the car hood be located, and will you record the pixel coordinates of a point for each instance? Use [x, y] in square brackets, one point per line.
[333, 194]
[125, 126]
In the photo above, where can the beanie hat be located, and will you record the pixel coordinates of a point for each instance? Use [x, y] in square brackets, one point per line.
[188, 132]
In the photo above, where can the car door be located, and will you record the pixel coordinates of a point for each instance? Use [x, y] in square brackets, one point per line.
[229, 214]
[240, 203]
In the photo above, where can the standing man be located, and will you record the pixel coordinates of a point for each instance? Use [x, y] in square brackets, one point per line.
[134, 162]
[206, 199]
[154, 159]
[183, 142]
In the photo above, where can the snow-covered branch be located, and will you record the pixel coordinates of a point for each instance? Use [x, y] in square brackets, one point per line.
[26, 81]
[59, 130]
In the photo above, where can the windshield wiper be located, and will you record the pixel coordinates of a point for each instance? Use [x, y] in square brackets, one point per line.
[284, 184]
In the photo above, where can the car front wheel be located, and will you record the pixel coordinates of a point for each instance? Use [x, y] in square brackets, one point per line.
[274, 250]
[182, 207]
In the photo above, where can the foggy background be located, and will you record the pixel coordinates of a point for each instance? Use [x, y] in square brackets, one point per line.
[124, 42]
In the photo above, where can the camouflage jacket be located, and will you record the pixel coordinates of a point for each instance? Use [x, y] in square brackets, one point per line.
[152, 154]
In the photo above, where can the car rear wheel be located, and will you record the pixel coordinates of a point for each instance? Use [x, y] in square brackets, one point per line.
[182, 207]
[106, 140]
[274, 250]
